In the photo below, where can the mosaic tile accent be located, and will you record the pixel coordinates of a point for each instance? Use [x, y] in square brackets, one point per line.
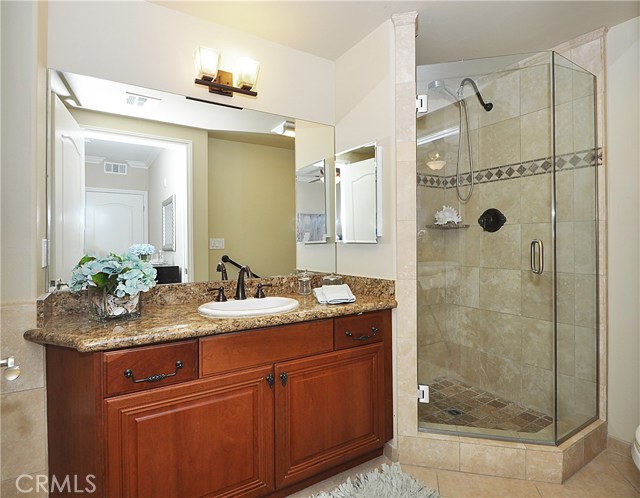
[542, 166]
[456, 403]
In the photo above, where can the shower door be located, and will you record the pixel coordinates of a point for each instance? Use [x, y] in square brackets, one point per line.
[497, 291]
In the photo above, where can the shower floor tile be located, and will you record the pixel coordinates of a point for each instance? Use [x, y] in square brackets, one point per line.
[456, 403]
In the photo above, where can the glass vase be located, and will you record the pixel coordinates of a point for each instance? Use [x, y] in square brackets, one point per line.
[105, 306]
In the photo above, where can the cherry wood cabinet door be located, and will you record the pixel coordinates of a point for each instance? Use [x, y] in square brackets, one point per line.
[210, 437]
[329, 410]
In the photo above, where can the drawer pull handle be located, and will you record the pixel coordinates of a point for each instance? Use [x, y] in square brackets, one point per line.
[284, 378]
[374, 331]
[270, 380]
[152, 378]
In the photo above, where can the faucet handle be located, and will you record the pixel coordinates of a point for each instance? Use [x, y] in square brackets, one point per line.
[259, 292]
[220, 298]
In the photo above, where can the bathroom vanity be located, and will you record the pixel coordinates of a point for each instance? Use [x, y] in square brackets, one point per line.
[247, 412]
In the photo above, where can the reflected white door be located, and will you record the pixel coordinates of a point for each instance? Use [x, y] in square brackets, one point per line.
[115, 220]
[67, 191]
[358, 201]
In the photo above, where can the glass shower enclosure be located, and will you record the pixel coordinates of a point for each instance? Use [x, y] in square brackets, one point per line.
[507, 248]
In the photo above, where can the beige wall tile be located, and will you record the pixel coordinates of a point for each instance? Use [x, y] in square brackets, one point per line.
[535, 198]
[566, 297]
[503, 91]
[23, 426]
[586, 344]
[503, 195]
[501, 249]
[492, 460]
[535, 135]
[544, 466]
[584, 137]
[14, 321]
[405, 112]
[584, 195]
[537, 342]
[407, 415]
[499, 144]
[564, 128]
[463, 286]
[595, 443]
[566, 349]
[26, 486]
[586, 397]
[585, 304]
[537, 388]
[535, 87]
[406, 266]
[429, 452]
[500, 290]
[573, 459]
[406, 184]
[537, 295]
[585, 233]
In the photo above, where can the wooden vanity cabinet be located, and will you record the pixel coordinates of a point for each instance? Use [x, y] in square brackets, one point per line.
[256, 413]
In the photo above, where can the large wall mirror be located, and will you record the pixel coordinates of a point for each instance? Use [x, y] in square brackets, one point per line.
[358, 174]
[119, 151]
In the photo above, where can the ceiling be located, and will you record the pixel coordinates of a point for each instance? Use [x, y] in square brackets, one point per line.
[447, 30]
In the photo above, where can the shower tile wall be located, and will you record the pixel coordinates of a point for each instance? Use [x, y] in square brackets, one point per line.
[486, 319]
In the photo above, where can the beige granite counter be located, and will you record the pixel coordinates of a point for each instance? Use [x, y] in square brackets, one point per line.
[169, 313]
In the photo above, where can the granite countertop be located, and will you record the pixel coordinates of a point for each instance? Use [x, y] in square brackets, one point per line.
[170, 321]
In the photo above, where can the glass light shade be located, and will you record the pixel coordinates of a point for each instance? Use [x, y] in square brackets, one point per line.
[436, 162]
[207, 62]
[246, 73]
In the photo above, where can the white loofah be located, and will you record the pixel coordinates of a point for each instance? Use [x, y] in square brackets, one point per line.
[447, 215]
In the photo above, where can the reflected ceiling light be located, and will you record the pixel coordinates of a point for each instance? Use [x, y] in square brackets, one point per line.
[437, 136]
[436, 162]
[286, 128]
[221, 82]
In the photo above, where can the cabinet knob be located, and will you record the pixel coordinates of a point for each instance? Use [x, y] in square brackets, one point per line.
[283, 378]
[270, 380]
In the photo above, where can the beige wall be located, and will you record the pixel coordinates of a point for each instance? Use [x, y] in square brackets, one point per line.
[144, 44]
[22, 402]
[199, 158]
[365, 81]
[252, 207]
[623, 157]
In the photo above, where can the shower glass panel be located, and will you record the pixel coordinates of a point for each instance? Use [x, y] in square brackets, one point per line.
[507, 248]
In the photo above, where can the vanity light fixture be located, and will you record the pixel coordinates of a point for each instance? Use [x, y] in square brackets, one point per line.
[221, 82]
[286, 128]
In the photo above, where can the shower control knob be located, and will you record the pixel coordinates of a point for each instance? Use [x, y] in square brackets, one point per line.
[492, 220]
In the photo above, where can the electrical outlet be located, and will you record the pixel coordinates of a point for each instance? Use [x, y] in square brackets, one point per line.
[216, 243]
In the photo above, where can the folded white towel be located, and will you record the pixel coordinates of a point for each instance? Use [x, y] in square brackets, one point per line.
[334, 294]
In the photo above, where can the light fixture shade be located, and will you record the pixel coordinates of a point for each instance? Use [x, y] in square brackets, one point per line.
[246, 73]
[207, 60]
[436, 161]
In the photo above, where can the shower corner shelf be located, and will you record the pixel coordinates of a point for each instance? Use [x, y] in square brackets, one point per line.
[448, 226]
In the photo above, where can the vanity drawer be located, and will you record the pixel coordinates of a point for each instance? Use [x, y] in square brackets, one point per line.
[364, 328]
[238, 350]
[137, 369]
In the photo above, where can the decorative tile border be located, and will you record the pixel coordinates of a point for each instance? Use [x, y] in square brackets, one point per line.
[574, 160]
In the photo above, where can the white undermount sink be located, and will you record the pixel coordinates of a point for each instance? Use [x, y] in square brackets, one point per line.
[248, 307]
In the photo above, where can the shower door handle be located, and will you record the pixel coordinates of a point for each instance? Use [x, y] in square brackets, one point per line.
[537, 256]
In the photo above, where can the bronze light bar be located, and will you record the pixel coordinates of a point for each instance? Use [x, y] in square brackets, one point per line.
[222, 89]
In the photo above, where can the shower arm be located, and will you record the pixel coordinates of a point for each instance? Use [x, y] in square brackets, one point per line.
[486, 105]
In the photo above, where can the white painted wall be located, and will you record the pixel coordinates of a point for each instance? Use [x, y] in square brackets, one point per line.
[623, 178]
[144, 44]
[168, 176]
[365, 112]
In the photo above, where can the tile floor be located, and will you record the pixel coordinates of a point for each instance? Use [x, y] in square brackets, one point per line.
[610, 475]
[456, 403]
